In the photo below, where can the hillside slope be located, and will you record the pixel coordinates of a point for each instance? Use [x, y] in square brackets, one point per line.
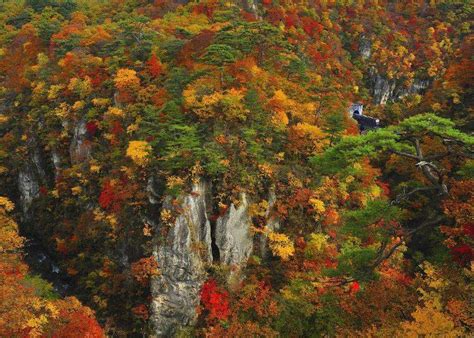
[192, 168]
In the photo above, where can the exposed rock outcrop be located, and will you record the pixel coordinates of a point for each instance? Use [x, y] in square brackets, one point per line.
[30, 177]
[153, 195]
[251, 6]
[365, 48]
[233, 236]
[187, 249]
[28, 186]
[57, 163]
[38, 161]
[181, 260]
[385, 90]
[80, 148]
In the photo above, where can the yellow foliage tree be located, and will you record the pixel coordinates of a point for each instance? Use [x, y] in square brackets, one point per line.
[115, 112]
[430, 319]
[227, 104]
[9, 239]
[281, 105]
[138, 151]
[306, 138]
[280, 245]
[126, 79]
[317, 243]
[24, 312]
[81, 87]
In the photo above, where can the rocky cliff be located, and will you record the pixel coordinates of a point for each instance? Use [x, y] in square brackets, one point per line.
[181, 256]
[185, 253]
[386, 90]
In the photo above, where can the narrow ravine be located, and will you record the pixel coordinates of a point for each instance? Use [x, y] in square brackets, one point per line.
[42, 264]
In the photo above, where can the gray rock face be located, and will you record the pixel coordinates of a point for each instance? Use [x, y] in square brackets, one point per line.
[152, 194]
[385, 90]
[251, 6]
[30, 177]
[79, 149]
[273, 223]
[38, 162]
[181, 261]
[56, 162]
[28, 185]
[233, 237]
[187, 249]
[417, 86]
[365, 48]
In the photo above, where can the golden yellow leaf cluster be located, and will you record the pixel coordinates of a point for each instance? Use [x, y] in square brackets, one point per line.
[139, 151]
[281, 245]
[126, 79]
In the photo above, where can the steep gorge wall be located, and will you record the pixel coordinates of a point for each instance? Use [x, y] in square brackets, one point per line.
[181, 259]
[383, 89]
[185, 254]
[233, 236]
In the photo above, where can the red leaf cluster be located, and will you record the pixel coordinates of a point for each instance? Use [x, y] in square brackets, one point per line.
[311, 26]
[355, 287]
[92, 128]
[259, 298]
[78, 324]
[215, 300]
[111, 198]
[117, 128]
[141, 311]
[462, 254]
[206, 9]
[291, 20]
[154, 66]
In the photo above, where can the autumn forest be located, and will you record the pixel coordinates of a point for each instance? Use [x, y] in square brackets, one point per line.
[236, 168]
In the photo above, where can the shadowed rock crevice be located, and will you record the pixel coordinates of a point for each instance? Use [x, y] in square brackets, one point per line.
[216, 255]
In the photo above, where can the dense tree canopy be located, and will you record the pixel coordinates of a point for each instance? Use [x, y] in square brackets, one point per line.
[108, 105]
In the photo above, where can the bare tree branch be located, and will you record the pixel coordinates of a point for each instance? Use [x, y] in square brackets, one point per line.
[386, 255]
[405, 195]
[437, 156]
[401, 153]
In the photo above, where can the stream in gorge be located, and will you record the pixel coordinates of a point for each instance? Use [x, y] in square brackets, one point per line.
[42, 264]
